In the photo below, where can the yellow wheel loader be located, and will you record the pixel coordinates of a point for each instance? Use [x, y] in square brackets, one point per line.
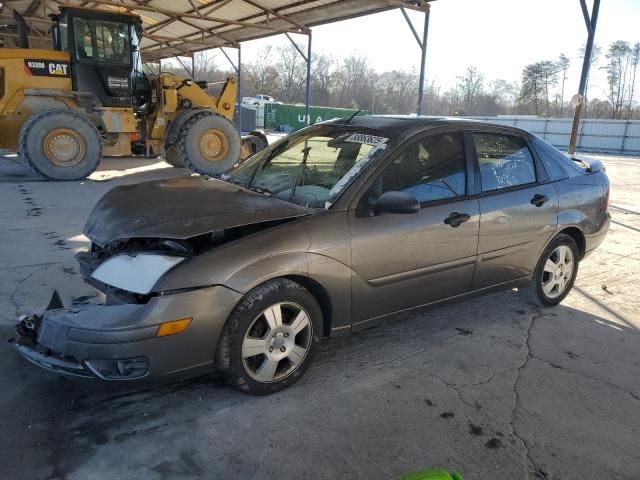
[63, 109]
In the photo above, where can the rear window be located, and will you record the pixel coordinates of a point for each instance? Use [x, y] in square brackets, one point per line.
[557, 164]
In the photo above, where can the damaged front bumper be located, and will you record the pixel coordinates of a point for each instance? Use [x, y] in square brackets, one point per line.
[121, 342]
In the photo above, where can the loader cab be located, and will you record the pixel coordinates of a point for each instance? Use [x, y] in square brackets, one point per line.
[105, 59]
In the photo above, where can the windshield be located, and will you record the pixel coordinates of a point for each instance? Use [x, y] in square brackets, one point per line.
[311, 167]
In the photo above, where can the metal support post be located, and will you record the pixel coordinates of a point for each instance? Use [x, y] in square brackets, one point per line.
[239, 97]
[422, 43]
[185, 67]
[590, 22]
[307, 59]
[237, 67]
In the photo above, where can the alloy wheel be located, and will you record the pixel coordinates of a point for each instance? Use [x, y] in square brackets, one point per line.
[557, 272]
[277, 342]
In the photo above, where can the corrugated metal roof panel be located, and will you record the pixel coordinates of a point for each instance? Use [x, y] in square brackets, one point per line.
[176, 27]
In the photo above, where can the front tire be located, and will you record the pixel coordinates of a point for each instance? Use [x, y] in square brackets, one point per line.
[555, 272]
[173, 158]
[270, 339]
[60, 145]
[208, 144]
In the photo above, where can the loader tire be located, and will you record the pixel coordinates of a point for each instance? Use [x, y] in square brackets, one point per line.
[60, 145]
[258, 142]
[209, 144]
[173, 158]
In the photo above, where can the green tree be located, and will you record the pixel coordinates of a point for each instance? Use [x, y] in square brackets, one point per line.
[549, 77]
[532, 90]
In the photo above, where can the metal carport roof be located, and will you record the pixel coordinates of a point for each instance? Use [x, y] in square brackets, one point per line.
[181, 27]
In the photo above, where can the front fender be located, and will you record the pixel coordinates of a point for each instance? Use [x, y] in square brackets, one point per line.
[246, 262]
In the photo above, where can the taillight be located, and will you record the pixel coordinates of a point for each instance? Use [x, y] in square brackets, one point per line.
[606, 200]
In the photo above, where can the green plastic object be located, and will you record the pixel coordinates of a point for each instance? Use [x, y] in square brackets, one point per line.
[431, 475]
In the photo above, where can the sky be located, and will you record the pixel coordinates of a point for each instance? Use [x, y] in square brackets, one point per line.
[498, 37]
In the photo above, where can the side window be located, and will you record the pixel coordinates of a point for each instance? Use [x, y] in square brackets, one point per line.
[431, 169]
[505, 161]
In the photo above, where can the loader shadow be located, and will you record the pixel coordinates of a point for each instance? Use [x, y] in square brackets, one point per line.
[131, 169]
[78, 418]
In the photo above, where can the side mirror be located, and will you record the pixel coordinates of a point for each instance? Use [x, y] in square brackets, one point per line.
[396, 202]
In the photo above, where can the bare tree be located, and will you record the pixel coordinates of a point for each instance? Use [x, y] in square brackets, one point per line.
[354, 80]
[321, 79]
[394, 90]
[618, 56]
[262, 75]
[470, 86]
[506, 94]
[292, 68]
[563, 65]
[596, 52]
[635, 60]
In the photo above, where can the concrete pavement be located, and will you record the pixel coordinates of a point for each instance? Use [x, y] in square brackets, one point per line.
[491, 387]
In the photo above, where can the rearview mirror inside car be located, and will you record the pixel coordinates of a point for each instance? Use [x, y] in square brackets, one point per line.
[396, 202]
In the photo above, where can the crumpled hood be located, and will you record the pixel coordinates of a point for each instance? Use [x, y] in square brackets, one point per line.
[180, 208]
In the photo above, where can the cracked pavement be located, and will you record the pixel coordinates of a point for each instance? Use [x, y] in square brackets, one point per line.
[491, 387]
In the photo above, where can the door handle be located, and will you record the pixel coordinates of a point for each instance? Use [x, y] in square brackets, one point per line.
[538, 200]
[456, 219]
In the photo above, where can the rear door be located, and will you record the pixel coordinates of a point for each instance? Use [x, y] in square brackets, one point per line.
[518, 208]
[406, 260]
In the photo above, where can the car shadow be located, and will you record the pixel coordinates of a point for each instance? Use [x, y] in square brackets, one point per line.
[462, 345]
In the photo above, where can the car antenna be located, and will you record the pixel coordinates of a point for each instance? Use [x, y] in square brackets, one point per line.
[351, 117]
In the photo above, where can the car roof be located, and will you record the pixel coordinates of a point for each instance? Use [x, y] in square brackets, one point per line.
[402, 123]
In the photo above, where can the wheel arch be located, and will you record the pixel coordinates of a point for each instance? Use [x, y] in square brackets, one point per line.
[322, 297]
[578, 237]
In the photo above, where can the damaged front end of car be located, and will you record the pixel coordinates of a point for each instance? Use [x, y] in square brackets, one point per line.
[142, 331]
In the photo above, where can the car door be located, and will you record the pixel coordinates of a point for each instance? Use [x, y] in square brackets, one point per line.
[405, 260]
[518, 208]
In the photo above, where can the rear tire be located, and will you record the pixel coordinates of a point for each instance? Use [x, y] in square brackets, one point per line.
[60, 145]
[208, 144]
[555, 273]
[270, 338]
